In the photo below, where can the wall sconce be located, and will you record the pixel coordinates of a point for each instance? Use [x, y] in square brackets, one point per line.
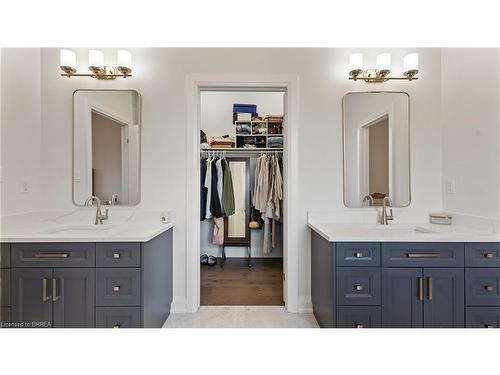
[96, 65]
[383, 68]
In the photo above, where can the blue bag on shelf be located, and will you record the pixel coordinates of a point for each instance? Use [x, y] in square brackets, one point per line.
[245, 108]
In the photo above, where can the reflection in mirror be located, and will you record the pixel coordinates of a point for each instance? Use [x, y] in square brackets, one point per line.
[236, 230]
[237, 223]
[106, 146]
[376, 148]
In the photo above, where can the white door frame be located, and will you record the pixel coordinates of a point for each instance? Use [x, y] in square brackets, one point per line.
[289, 84]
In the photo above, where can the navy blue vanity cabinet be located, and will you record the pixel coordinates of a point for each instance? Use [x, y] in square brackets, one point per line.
[84, 285]
[5, 284]
[404, 285]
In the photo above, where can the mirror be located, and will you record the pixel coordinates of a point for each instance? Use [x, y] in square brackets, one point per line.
[236, 231]
[106, 146]
[376, 145]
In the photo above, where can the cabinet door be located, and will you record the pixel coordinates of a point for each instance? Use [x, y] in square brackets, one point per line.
[401, 298]
[31, 297]
[73, 291]
[444, 304]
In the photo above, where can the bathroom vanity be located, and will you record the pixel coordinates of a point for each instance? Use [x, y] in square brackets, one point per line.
[401, 277]
[124, 281]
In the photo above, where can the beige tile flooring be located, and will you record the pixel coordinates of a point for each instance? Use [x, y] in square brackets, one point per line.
[241, 317]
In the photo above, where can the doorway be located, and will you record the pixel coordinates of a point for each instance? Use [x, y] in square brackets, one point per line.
[241, 248]
[289, 84]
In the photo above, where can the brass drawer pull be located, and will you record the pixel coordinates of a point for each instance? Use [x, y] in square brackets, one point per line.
[116, 255]
[116, 288]
[420, 288]
[359, 287]
[117, 325]
[489, 255]
[45, 296]
[423, 255]
[55, 297]
[489, 288]
[359, 325]
[51, 255]
[430, 291]
[358, 254]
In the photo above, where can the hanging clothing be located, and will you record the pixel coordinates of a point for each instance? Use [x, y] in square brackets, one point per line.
[261, 189]
[208, 186]
[218, 236]
[203, 189]
[227, 191]
[215, 206]
[220, 183]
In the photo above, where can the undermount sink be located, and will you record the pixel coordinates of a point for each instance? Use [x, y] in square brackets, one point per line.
[81, 228]
[401, 229]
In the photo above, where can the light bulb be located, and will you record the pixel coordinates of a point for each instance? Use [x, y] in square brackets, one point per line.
[356, 61]
[124, 61]
[410, 63]
[384, 62]
[96, 61]
[67, 61]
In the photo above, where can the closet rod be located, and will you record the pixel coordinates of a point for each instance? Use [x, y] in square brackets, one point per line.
[243, 150]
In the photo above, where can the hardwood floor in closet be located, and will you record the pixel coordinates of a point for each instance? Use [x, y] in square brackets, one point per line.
[237, 284]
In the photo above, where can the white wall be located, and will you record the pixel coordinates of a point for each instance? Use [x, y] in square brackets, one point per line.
[21, 130]
[160, 77]
[471, 131]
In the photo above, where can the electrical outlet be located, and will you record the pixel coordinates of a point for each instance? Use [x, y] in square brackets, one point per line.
[451, 187]
[25, 187]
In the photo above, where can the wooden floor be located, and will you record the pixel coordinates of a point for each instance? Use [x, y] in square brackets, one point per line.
[237, 284]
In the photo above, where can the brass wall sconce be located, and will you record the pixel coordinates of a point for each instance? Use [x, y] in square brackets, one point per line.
[383, 69]
[96, 65]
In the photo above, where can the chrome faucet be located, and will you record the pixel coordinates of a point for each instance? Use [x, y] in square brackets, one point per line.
[384, 218]
[368, 198]
[99, 217]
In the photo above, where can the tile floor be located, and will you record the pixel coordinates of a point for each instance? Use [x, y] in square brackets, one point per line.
[241, 317]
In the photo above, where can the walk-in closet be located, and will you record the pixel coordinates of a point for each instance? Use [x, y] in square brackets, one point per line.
[241, 197]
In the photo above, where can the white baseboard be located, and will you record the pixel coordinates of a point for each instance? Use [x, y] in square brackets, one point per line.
[305, 305]
[178, 305]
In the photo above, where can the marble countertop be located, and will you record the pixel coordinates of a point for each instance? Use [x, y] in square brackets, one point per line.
[78, 226]
[424, 232]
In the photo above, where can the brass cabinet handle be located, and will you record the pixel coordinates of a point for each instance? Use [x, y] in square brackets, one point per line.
[116, 288]
[358, 254]
[55, 297]
[45, 296]
[117, 325]
[420, 288]
[429, 291]
[489, 288]
[488, 255]
[359, 325]
[423, 255]
[51, 255]
[116, 255]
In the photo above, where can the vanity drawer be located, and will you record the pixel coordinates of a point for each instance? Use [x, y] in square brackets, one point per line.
[118, 254]
[358, 286]
[5, 287]
[118, 287]
[358, 254]
[359, 317]
[118, 317]
[53, 255]
[482, 286]
[482, 317]
[422, 254]
[5, 255]
[482, 254]
[5, 316]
